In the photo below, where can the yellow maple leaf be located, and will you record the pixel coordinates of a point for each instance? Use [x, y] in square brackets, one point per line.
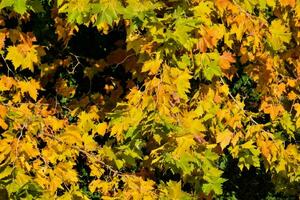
[137, 188]
[224, 138]
[55, 123]
[89, 143]
[85, 122]
[15, 56]
[118, 128]
[3, 124]
[273, 110]
[5, 149]
[101, 128]
[103, 186]
[191, 124]
[279, 34]
[23, 56]
[31, 87]
[68, 176]
[94, 185]
[152, 66]
[184, 145]
[236, 138]
[297, 109]
[30, 148]
[96, 169]
[72, 136]
[182, 81]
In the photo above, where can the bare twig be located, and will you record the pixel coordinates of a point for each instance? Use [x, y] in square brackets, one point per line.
[77, 64]
[6, 65]
[17, 145]
[124, 60]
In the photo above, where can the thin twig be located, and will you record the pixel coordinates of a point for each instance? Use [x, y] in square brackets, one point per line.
[17, 145]
[124, 60]
[76, 65]
[6, 65]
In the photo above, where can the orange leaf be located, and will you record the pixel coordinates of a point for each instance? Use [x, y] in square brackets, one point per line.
[288, 3]
[225, 60]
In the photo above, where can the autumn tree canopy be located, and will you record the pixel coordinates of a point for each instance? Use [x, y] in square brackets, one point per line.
[149, 99]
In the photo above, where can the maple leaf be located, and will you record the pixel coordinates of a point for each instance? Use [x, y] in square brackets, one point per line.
[69, 176]
[273, 110]
[6, 3]
[152, 66]
[224, 138]
[173, 191]
[30, 148]
[96, 169]
[183, 84]
[298, 122]
[211, 71]
[203, 10]
[291, 3]
[184, 145]
[107, 11]
[55, 123]
[15, 56]
[72, 135]
[23, 56]
[20, 6]
[31, 87]
[287, 124]
[210, 37]
[279, 34]
[101, 128]
[213, 177]
[225, 60]
[170, 113]
[209, 63]
[85, 122]
[76, 9]
[94, 185]
[89, 143]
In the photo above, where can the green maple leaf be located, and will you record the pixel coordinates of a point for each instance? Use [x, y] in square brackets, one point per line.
[209, 63]
[107, 11]
[20, 6]
[212, 71]
[6, 3]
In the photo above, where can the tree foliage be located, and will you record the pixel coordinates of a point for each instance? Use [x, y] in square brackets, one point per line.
[149, 99]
